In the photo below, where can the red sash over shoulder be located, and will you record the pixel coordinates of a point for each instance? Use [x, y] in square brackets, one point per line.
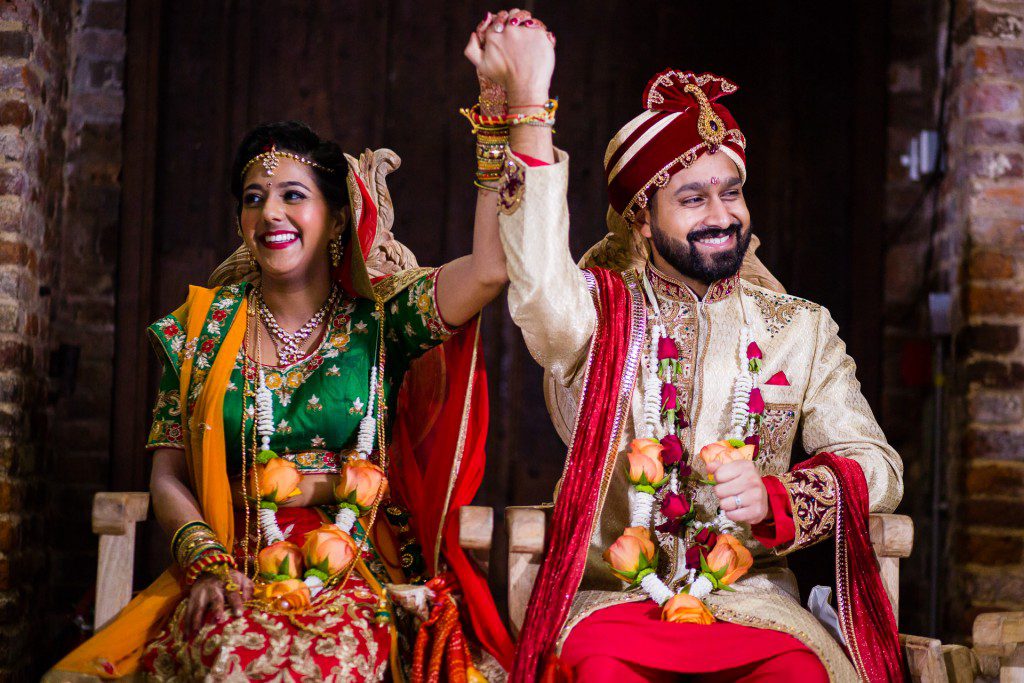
[865, 613]
[595, 440]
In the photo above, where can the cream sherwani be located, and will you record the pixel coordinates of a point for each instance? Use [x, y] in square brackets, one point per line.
[550, 300]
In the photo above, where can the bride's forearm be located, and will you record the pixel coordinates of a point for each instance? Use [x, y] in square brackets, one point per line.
[174, 504]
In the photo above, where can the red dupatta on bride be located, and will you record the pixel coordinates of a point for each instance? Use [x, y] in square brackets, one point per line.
[437, 438]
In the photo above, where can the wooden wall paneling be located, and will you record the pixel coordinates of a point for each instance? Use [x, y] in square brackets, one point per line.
[867, 186]
[392, 74]
[190, 170]
[135, 250]
[417, 124]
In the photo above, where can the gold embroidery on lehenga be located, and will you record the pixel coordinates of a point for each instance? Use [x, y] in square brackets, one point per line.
[813, 498]
[271, 644]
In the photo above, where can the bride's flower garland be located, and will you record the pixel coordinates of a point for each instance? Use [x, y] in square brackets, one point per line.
[658, 468]
[296, 575]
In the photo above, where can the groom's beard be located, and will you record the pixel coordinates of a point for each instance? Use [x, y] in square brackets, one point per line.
[685, 255]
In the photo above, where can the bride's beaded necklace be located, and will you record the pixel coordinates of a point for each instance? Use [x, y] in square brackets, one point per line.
[289, 344]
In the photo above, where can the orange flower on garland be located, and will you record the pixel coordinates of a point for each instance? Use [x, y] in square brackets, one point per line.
[683, 608]
[646, 469]
[728, 450]
[727, 561]
[360, 485]
[291, 595]
[278, 481]
[328, 551]
[633, 556]
[281, 561]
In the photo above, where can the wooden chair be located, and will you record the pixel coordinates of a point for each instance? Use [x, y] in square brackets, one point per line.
[114, 520]
[892, 536]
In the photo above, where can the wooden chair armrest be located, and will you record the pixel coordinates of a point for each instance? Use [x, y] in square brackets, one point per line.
[114, 517]
[891, 535]
[476, 533]
[527, 531]
[998, 633]
[924, 659]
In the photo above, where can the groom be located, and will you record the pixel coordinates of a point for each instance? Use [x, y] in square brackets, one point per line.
[686, 384]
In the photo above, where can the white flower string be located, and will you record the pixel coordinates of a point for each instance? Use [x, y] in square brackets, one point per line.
[368, 425]
[265, 428]
[741, 390]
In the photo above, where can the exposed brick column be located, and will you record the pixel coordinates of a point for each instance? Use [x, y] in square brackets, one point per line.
[83, 315]
[33, 85]
[983, 242]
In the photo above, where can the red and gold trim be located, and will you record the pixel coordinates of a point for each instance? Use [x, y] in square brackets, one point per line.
[813, 499]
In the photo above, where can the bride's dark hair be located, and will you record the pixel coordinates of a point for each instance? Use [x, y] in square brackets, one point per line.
[298, 138]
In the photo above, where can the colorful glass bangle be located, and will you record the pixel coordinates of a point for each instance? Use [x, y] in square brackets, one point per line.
[206, 563]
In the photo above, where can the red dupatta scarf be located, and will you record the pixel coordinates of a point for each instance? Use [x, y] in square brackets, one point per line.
[607, 386]
[437, 440]
[865, 613]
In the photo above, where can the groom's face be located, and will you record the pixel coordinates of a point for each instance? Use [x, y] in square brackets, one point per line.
[699, 222]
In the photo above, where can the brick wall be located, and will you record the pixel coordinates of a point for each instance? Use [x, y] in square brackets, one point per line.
[983, 203]
[83, 318]
[33, 86]
[61, 98]
[964, 236]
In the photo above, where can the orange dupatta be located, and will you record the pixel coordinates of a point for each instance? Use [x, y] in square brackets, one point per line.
[117, 648]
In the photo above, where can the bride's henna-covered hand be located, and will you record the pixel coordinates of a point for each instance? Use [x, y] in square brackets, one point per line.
[208, 595]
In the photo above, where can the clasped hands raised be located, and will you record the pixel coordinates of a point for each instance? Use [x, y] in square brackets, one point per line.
[515, 52]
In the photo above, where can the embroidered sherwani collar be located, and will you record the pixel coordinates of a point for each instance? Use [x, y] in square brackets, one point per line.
[668, 287]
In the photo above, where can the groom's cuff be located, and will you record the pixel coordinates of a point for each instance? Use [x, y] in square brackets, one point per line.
[778, 528]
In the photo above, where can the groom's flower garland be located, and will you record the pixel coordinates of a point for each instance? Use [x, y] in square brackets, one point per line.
[658, 468]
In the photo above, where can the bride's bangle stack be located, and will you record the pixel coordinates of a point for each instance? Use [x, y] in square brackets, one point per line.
[196, 550]
[492, 135]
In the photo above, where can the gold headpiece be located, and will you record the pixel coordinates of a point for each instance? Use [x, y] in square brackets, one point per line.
[271, 158]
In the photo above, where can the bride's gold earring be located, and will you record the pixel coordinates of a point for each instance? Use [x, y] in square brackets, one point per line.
[253, 265]
[334, 250]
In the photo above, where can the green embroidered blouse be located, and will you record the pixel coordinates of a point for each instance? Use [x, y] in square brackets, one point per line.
[318, 401]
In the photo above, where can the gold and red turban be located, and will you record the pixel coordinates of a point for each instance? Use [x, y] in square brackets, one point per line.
[682, 121]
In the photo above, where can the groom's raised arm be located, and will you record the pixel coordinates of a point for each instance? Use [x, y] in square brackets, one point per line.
[548, 295]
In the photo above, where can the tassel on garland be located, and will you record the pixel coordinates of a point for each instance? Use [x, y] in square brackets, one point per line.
[264, 419]
[368, 425]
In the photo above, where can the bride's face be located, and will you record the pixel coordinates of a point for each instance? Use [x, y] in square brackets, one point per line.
[286, 222]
